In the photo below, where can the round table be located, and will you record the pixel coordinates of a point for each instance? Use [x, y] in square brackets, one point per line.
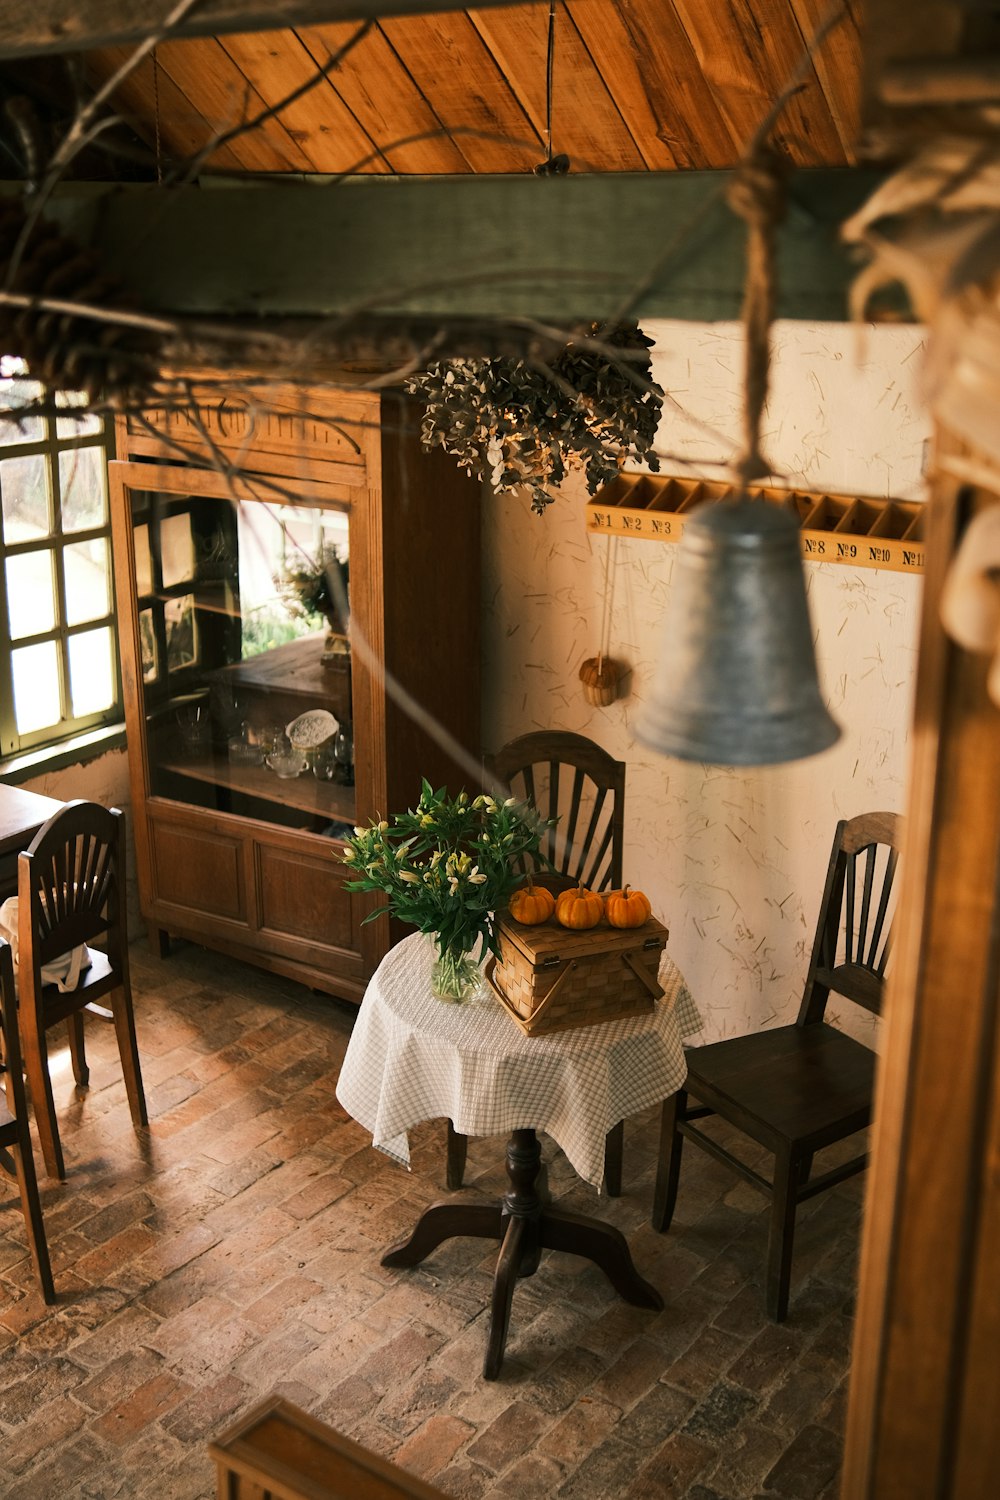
[412, 1058]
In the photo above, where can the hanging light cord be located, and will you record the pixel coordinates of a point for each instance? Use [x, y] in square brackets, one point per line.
[552, 166]
[757, 195]
[549, 60]
[156, 117]
[609, 586]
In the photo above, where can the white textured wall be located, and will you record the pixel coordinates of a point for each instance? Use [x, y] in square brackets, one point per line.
[733, 860]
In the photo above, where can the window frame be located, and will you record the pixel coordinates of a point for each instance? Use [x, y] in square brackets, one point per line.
[69, 727]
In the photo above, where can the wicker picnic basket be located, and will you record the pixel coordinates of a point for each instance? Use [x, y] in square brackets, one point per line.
[552, 978]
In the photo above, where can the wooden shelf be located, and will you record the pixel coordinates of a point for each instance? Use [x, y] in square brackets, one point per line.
[321, 799]
[859, 531]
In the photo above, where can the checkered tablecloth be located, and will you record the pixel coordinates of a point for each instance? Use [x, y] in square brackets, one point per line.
[412, 1057]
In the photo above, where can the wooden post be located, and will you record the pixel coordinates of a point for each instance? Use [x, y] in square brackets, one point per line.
[925, 1388]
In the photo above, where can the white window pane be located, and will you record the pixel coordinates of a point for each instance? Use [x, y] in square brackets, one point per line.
[176, 550]
[81, 487]
[182, 632]
[88, 592]
[24, 493]
[147, 646]
[91, 676]
[14, 428]
[75, 426]
[36, 687]
[31, 607]
[143, 562]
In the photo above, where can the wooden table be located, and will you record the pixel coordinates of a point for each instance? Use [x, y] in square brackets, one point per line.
[22, 813]
[412, 1057]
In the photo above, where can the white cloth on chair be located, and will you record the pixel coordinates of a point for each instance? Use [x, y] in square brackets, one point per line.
[64, 972]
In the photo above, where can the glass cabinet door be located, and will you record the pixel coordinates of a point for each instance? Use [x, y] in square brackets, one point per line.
[242, 611]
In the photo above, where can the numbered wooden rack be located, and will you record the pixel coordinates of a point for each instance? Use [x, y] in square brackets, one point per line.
[860, 531]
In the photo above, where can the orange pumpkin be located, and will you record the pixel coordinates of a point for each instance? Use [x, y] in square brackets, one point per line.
[532, 904]
[626, 908]
[579, 908]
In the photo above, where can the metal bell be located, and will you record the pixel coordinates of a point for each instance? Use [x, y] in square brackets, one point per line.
[737, 684]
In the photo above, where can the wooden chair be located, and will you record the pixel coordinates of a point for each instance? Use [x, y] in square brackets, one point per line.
[795, 1089]
[71, 890]
[568, 777]
[15, 1142]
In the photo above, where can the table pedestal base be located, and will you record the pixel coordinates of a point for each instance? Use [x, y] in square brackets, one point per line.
[526, 1227]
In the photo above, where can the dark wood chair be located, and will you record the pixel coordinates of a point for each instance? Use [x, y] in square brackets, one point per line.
[567, 777]
[15, 1142]
[71, 890]
[798, 1088]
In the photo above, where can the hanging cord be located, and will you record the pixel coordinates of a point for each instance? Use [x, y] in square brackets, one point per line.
[552, 166]
[609, 574]
[757, 194]
[156, 119]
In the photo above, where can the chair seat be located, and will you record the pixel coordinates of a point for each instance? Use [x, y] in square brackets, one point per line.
[803, 1084]
[95, 981]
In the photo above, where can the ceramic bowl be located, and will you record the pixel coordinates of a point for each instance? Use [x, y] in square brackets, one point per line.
[287, 765]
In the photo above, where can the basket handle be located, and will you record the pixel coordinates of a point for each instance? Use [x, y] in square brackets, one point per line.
[573, 964]
[489, 973]
[653, 986]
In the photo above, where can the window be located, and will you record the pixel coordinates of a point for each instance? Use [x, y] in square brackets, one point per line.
[58, 652]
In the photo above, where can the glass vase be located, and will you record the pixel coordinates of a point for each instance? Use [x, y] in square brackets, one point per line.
[455, 976]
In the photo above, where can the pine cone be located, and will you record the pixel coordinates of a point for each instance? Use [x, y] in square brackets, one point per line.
[112, 363]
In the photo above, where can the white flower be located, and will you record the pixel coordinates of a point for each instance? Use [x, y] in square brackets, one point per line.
[360, 832]
[511, 802]
[350, 854]
[410, 877]
[478, 879]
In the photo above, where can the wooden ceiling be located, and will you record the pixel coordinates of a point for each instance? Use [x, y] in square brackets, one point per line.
[638, 85]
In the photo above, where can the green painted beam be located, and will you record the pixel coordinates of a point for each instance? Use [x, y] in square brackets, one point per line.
[30, 27]
[646, 245]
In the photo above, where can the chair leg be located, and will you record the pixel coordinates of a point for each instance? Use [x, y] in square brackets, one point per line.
[36, 1066]
[128, 1048]
[77, 1052]
[613, 1152]
[458, 1146]
[668, 1166]
[31, 1207]
[782, 1232]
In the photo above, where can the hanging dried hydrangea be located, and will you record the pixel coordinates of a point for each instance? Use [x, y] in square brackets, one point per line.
[524, 426]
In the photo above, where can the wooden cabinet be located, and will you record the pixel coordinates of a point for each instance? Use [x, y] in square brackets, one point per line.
[215, 507]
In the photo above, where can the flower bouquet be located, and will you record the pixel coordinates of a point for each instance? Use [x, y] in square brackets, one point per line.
[447, 866]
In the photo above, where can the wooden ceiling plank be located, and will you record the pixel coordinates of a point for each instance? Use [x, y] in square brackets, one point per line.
[453, 68]
[651, 69]
[207, 75]
[183, 131]
[322, 126]
[586, 124]
[39, 26]
[385, 101]
[748, 51]
[838, 68]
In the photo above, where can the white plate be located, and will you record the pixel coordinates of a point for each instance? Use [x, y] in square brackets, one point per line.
[312, 728]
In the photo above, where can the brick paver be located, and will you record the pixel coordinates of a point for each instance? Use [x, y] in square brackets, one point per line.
[232, 1251]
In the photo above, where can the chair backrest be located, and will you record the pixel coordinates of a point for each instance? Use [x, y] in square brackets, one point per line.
[854, 930]
[568, 777]
[71, 886]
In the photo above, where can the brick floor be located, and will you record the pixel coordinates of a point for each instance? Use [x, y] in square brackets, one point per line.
[233, 1250]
